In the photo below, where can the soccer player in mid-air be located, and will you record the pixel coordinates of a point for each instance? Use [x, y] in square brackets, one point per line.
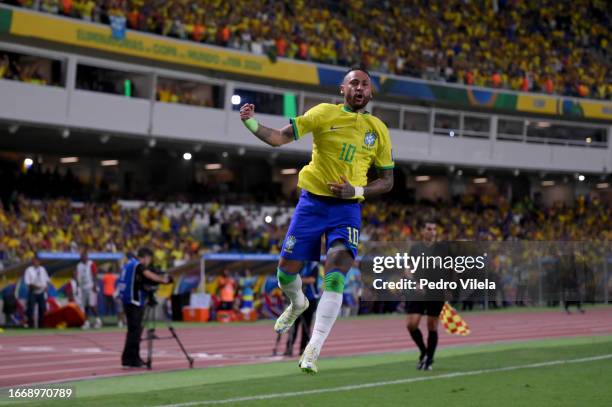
[347, 140]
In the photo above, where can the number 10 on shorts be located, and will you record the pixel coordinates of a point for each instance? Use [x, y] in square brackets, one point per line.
[353, 235]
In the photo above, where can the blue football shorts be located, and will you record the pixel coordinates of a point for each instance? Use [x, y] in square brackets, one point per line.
[317, 216]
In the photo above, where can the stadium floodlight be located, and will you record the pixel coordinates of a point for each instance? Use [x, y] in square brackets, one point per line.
[224, 154]
[152, 142]
[197, 148]
[69, 160]
[215, 166]
[13, 128]
[28, 162]
[236, 99]
[187, 156]
[109, 163]
[481, 180]
[517, 172]
[422, 178]
[241, 151]
[451, 133]
[581, 177]
[289, 171]
[104, 138]
[548, 183]
[459, 172]
[268, 219]
[451, 168]
[588, 140]
[65, 133]
[602, 185]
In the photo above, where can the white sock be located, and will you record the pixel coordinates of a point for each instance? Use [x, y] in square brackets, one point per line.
[293, 290]
[327, 312]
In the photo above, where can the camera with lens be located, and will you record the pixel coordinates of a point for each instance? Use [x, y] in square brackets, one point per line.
[150, 287]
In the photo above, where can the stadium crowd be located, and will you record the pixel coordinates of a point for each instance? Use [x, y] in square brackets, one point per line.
[170, 93]
[549, 46]
[485, 219]
[59, 225]
[33, 70]
[177, 233]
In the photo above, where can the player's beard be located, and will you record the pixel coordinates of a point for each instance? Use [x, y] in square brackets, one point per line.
[357, 105]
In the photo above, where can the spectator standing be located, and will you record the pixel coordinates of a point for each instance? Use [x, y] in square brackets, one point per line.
[9, 305]
[247, 283]
[109, 281]
[5, 66]
[352, 292]
[86, 277]
[36, 279]
[227, 290]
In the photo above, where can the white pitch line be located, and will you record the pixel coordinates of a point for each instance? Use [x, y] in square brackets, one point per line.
[35, 349]
[387, 383]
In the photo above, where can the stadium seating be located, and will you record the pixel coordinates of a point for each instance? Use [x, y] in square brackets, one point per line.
[551, 47]
[182, 231]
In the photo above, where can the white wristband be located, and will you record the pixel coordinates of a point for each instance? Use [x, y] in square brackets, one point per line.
[359, 192]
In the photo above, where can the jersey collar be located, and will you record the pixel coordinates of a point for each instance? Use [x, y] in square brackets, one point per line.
[346, 109]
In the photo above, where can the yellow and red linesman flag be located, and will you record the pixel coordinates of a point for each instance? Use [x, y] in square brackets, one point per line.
[452, 321]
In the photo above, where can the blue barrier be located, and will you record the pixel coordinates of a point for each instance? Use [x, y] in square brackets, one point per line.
[99, 256]
[248, 257]
[240, 257]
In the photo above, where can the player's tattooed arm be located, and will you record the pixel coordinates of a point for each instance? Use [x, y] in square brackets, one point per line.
[381, 185]
[272, 137]
[344, 189]
[275, 137]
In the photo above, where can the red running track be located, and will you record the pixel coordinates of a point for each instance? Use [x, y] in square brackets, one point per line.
[66, 356]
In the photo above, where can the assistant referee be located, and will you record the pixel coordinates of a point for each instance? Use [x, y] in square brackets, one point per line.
[426, 302]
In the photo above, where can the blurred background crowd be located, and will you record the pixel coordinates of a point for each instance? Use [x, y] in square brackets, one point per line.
[557, 47]
[179, 232]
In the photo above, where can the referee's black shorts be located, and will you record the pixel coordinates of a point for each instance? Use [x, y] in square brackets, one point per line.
[429, 308]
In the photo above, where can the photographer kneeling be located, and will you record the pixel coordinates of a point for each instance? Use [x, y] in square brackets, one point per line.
[136, 273]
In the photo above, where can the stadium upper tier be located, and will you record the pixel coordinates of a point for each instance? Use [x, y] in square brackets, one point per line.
[550, 46]
[179, 232]
[72, 97]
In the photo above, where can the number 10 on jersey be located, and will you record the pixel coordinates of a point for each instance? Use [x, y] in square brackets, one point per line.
[348, 152]
[353, 235]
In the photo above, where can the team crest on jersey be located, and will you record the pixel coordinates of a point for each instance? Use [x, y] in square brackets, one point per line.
[369, 139]
[290, 243]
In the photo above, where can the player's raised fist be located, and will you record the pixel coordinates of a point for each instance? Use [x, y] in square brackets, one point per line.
[247, 111]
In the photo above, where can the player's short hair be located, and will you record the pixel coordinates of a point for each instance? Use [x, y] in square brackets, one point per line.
[144, 252]
[422, 222]
[357, 68]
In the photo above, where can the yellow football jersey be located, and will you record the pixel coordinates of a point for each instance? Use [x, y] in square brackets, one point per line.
[344, 143]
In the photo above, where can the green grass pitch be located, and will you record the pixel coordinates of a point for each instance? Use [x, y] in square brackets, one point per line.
[553, 372]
